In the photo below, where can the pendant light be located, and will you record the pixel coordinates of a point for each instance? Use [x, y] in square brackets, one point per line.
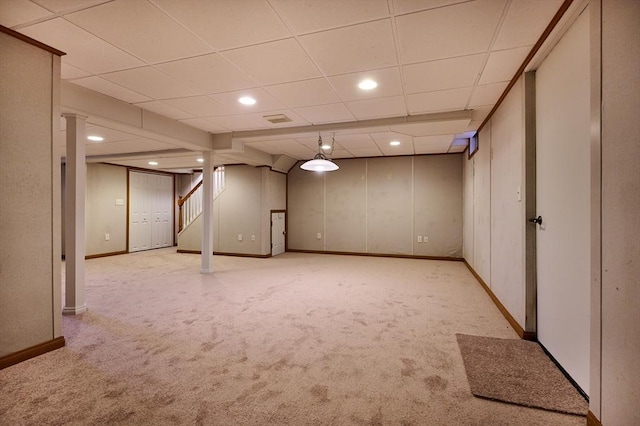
[321, 163]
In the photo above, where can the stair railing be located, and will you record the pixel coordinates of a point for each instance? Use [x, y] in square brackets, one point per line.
[190, 206]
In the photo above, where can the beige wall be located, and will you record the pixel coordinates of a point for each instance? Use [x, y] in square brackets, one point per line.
[30, 306]
[620, 291]
[242, 208]
[379, 205]
[105, 184]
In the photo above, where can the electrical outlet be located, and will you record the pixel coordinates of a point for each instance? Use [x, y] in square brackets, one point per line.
[107, 237]
[425, 239]
[253, 238]
[319, 236]
[419, 238]
[239, 237]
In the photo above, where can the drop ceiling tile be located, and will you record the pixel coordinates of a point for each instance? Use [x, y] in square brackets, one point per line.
[477, 117]
[502, 65]
[388, 79]
[487, 94]
[446, 32]
[275, 62]
[442, 100]
[208, 73]
[444, 74]
[352, 49]
[382, 140]
[402, 7]
[163, 109]
[228, 24]
[18, 12]
[59, 6]
[402, 149]
[355, 141]
[308, 16]
[69, 72]
[379, 107]
[433, 144]
[312, 143]
[331, 113]
[304, 93]
[83, 49]
[205, 125]
[264, 101]
[198, 106]
[150, 82]
[296, 120]
[372, 152]
[236, 123]
[432, 128]
[111, 89]
[341, 153]
[525, 22]
[140, 29]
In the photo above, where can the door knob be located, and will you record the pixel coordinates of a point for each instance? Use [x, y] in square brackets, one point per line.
[537, 220]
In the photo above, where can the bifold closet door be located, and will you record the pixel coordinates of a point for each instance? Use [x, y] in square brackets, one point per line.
[150, 211]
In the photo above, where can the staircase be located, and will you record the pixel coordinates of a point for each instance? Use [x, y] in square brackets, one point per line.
[190, 206]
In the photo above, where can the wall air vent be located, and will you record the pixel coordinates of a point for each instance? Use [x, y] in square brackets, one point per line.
[277, 118]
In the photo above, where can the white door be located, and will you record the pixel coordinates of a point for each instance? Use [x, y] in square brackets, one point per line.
[151, 212]
[563, 202]
[277, 233]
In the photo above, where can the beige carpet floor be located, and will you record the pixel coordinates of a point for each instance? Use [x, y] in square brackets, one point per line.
[298, 339]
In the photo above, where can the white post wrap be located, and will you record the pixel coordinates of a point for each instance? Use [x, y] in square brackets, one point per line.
[76, 171]
[206, 264]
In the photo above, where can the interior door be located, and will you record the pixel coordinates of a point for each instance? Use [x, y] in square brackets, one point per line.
[562, 202]
[151, 211]
[277, 233]
[162, 190]
[139, 213]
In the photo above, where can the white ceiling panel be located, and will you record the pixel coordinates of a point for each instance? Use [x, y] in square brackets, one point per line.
[208, 73]
[432, 144]
[487, 94]
[111, 89]
[237, 122]
[524, 22]
[388, 79]
[355, 141]
[371, 152]
[402, 7]
[309, 16]
[264, 101]
[275, 62]
[84, 50]
[331, 113]
[69, 72]
[444, 74]
[352, 49]
[341, 153]
[312, 142]
[141, 29]
[304, 93]
[228, 24]
[15, 12]
[432, 128]
[461, 29]
[198, 106]
[204, 124]
[59, 6]
[151, 82]
[442, 100]
[159, 107]
[379, 107]
[502, 65]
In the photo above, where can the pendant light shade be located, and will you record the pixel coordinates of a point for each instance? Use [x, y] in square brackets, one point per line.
[320, 162]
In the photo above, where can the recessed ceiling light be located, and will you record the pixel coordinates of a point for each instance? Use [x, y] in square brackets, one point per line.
[200, 160]
[247, 100]
[325, 146]
[153, 163]
[95, 138]
[367, 84]
[394, 143]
